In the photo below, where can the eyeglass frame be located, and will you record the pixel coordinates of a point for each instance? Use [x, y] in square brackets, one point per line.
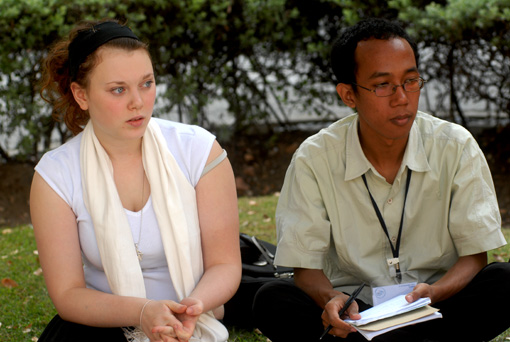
[395, 86]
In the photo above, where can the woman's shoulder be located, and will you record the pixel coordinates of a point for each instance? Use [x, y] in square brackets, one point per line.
[181, 130]
[190, 145]
[60, 168]
[68, 152]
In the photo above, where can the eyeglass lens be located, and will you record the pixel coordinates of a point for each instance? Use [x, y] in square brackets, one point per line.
[409, 86]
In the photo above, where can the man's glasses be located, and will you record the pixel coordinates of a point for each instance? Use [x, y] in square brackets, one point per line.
[411, 86]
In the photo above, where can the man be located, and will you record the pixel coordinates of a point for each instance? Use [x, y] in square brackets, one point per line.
[391, 197]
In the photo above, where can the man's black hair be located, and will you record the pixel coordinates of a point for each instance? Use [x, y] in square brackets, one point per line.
[342, 54]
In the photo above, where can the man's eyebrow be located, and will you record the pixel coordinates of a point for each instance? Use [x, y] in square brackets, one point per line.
[378, 74]
[382, 74]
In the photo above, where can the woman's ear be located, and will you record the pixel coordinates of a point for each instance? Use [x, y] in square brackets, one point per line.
[346, 93]
[80, 95]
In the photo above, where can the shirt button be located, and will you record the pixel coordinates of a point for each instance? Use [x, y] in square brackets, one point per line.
[393, 239]
[390, 200]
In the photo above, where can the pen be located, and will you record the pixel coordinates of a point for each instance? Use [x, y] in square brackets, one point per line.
[345, 307]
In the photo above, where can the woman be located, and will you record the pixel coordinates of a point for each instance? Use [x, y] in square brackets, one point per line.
[135, 218]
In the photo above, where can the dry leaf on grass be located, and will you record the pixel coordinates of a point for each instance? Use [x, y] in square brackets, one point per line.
[498, 258]
[9, 283]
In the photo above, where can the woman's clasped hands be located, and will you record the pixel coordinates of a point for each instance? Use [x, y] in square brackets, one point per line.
[169, 321]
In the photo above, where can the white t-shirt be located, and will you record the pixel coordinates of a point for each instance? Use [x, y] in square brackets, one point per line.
[60, 168]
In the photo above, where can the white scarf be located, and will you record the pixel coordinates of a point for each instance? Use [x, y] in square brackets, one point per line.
[175, 206]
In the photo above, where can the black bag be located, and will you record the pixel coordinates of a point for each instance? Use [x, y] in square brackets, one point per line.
[257, 257]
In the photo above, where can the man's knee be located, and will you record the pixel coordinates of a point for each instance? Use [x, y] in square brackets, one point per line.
[271, 294]
[497, 271]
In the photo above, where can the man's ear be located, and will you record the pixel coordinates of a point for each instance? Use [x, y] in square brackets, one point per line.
[80, 95]
[346, 93]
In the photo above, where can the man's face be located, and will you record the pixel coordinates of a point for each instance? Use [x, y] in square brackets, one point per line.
[381, 62]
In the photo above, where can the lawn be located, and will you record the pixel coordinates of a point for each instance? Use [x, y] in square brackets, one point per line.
[26, 308]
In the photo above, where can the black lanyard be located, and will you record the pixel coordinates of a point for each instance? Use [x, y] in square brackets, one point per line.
[394, 250]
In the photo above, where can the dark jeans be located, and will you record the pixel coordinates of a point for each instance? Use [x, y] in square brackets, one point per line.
[480, 312]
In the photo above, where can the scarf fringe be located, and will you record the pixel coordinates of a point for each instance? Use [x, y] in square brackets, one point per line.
[135, 335]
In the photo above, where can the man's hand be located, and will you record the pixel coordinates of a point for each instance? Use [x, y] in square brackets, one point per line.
[330, 316]
[421, 290]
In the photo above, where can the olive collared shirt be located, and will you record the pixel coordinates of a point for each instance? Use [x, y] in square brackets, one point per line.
[325, 219]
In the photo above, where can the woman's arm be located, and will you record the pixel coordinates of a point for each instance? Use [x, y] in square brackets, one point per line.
[219, 229]
[57, 240]
[219, 225]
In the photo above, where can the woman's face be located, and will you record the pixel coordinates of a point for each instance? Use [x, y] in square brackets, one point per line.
[120, 94]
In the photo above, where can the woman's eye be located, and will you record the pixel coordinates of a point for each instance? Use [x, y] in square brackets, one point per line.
[148, 84]
[118, 90]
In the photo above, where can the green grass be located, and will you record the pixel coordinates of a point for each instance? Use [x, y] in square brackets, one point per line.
[25, 309]
[256, 217]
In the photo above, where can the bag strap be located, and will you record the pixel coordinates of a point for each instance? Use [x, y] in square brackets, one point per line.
[254, 242]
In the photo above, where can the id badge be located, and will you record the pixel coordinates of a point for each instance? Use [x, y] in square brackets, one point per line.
[393, 265]
[383, 293]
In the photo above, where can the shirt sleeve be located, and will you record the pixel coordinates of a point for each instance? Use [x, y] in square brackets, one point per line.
[60, 169]
[303, 228]
[200, 150]
[475, 221]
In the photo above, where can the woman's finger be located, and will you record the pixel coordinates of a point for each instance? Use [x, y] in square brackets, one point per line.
[164, 330]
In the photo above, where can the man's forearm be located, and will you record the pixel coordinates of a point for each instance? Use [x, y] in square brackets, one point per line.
[457, 277]
[315, 284]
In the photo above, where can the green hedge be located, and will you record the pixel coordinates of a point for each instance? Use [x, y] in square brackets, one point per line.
[260, 57]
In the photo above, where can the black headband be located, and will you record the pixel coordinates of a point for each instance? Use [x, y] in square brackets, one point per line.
[87, 41]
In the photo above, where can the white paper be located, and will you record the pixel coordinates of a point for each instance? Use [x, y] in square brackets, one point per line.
[369, 335]
[392, 307]
[381, 294]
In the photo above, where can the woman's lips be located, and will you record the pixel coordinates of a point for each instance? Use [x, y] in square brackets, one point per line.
[136, 122]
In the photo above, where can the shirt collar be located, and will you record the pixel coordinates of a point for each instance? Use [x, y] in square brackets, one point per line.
[357, 164]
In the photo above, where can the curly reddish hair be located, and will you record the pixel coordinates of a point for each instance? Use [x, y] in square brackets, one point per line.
[56, 80]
